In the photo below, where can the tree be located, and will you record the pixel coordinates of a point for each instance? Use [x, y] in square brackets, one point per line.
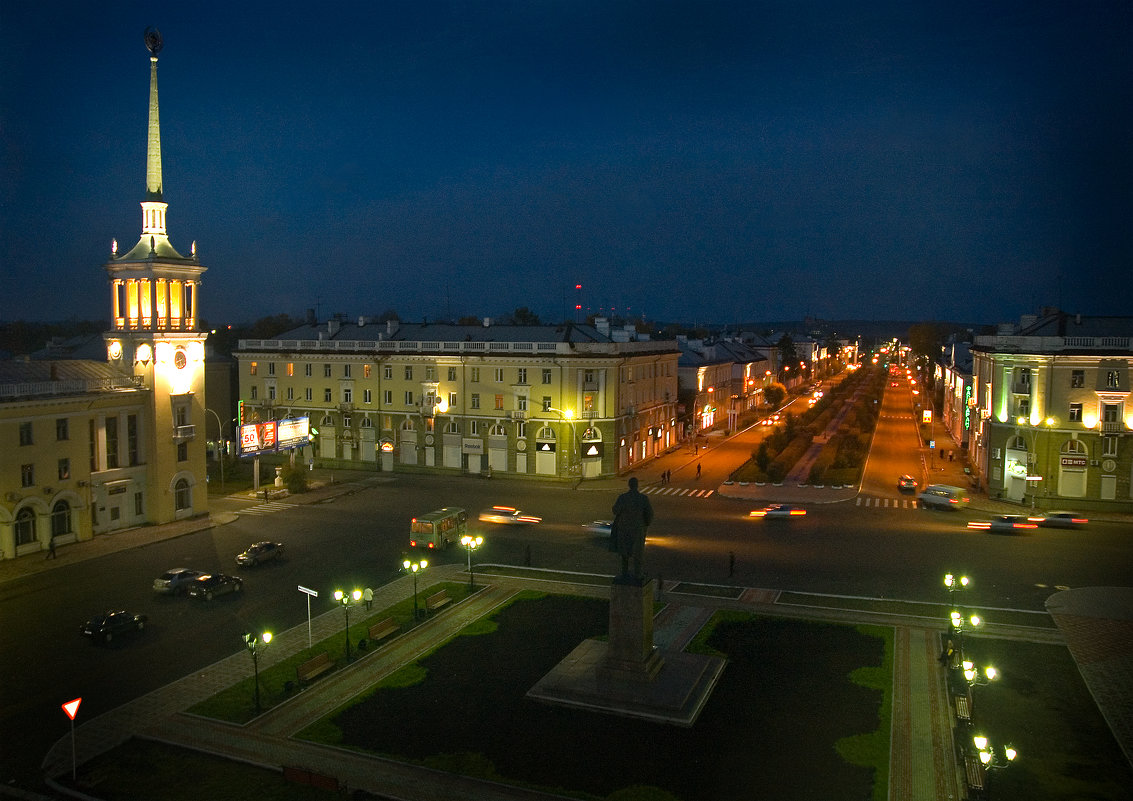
[524, 316]
[774, 394]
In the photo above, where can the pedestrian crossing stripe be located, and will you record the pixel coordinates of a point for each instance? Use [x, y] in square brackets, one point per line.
[267, 508]
[887, 503]
[675, 492]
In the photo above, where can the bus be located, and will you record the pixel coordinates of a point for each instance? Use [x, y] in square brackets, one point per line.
[439, 529]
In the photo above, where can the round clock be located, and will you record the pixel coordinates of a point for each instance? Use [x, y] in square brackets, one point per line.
[521, 445]
[179, 359]
[428, 439]
[116, 350]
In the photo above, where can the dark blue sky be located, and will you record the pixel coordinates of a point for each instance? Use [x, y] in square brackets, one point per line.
[698, 161]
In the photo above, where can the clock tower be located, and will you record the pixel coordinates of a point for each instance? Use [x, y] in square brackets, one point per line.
[156, 339]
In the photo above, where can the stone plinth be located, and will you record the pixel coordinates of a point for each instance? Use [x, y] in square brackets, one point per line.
[630, 655]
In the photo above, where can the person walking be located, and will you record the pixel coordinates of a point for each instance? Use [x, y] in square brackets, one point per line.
[51, 549]
[698, 469]
[368, 598]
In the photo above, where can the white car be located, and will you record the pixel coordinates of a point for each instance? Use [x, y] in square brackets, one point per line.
[601, 527]
[1004, 524]
[1060, 520]
[175, 581]
[507, 515]
[778, 510]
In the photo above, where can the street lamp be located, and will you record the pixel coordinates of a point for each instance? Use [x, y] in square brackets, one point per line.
[1033, 454]
[220, 446]
[256, 643]
[955, 583]
[958, 624]
[972, 675]
[346, 600]
[414, 567]
[991, 758]
[471, 543]
[568, 418]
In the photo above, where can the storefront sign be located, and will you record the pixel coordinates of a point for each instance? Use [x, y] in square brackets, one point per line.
[1073, 461]
[472, 446]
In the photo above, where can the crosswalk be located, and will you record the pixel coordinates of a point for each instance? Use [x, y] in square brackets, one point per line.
[267, 508]
[675, 491]
[886, 503]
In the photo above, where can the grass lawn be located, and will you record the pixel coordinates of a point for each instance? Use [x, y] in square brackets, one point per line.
[768, 718]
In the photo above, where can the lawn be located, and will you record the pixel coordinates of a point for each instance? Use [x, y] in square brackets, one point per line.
[768, 718]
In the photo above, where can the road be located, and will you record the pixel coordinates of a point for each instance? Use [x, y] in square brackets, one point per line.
[359, 539]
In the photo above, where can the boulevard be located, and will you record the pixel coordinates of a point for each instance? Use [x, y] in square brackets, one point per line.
[358, 539]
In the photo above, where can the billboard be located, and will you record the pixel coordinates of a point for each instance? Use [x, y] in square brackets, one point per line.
[274, 435]
[257, 438]
[293, 432]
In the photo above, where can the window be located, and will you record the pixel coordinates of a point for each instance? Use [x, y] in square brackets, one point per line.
[474, 427]
[409, 395]
[1109, 446]
[546, 403]
[475, 402]
[499, 402]
[387, 397]
[111, 443]
[367, 422]
[475, 375]
[25, 434]
[521, 403]
[367, 396]
[309, 394]
[326, 371]
[1025, 376]
[255, 392]
[346, 371]
[93, 447]
[138, 508]
[408, 372]
[291, 393]
[546, 375]
[588, 402]
[1024, 407]
[366, 370]
[430, 373]
[499, 375]
[61, 429]
[521, 429]
[182, 495]
[60, 519]
[271, 368]
[27, 475]
[588, 376]
[291, 368]
[347, 395]
[182, 451]
[326, 395]
[253, 368]
[271, 392]
[307, 369]
[387, 371]
[1075, 413]
[25, 526]
[346, 421]
[452, 374]
[1113, 379]
[1111, 412]
[521, 375]
[452, 400]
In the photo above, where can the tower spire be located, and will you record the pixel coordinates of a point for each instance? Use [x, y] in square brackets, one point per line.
[153, 148]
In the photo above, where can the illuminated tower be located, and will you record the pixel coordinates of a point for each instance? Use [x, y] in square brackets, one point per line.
[155, 302]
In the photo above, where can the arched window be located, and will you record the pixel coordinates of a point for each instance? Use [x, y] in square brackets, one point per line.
[407, 425]
[182, 495]
[1074, 446]
[547, 433]
[25, 526]
[61, 519]
[497, 431]
[452, 427]
[1016, 443]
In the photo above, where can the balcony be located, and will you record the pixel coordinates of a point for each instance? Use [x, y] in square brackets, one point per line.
[517, 415]
[183, 433]
[1113, 427]
[1021, 388]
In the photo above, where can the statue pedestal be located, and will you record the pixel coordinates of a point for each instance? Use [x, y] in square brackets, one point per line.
[630, 655]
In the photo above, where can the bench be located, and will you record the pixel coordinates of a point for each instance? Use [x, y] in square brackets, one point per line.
[436, 601]
[313, 667]
[383, 629]
[963, 709]
[974, 772]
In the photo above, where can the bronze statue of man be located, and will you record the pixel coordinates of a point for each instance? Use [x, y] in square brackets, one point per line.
[632, 515]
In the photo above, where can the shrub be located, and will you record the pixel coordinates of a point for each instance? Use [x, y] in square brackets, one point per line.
[295, 479]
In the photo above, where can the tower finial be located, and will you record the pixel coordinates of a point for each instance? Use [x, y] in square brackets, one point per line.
[153, 40]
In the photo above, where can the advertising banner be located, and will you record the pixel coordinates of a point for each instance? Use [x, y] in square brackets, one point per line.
[293, 432]
[257, 438]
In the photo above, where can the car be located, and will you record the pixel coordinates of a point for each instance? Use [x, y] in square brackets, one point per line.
[259, 553]
[892, 383]
[210, 585]
[906, 482]
[778, 510]
[1004, 524]
[175, 581]
[943, 496]
[507, 515]
[602, 527]
[1059, 520]
[108, 625]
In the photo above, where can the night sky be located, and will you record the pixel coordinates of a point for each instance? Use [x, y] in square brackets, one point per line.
[698, 161]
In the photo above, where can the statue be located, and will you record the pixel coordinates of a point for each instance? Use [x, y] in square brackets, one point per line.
[632, 515]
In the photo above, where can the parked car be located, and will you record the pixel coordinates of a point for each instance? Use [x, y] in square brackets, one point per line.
[210, 585]
[601, 527]
[108, 625]
[175, 581]
[507, 515]
[259, 553]
[906, 482]
[778, 510]
[1004, 524]
[1060, 520]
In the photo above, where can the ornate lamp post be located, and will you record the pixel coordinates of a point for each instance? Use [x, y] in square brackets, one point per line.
[471, 543]
[972, 674]
[958, 625]
[414, 567]
[256, 643]
[347, 600]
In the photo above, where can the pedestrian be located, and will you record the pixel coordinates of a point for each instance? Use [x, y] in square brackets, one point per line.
[51, 549]
[698, 469]
[668, 476]
[946, 653]
[950, 455]
[731, 563]
[368, 597]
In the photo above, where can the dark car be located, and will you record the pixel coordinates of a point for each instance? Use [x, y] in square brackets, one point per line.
[108, 625]
[210, 585]
[259, 553]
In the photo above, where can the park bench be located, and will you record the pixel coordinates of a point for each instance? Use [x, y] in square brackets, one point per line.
[437, 600]
[963, 709]
[313, 667]
[974, 772]
[383, 629]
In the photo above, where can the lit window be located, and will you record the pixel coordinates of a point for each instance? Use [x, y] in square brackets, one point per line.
[291, 368]
[253, 368]
[366, 370]
[499, 401]
[1113, 379]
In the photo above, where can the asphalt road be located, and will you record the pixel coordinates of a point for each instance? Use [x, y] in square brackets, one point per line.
[359, 539]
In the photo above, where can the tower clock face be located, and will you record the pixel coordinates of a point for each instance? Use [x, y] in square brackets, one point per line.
[115, 350]
[179, 359]
[145, 353]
